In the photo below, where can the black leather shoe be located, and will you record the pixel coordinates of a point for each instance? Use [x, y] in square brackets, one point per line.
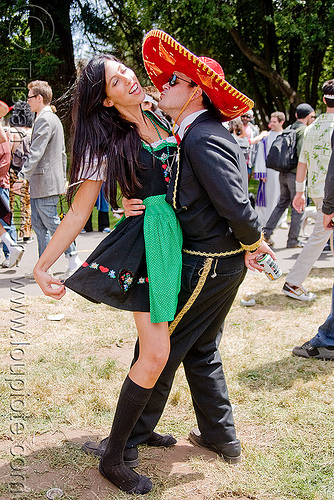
[158, 440]
[130, 456]
[230, 452]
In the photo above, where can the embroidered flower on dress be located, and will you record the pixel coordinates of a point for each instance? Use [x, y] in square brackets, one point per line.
[94, 265]
[141, 281]
[125, 279]
[112, 274]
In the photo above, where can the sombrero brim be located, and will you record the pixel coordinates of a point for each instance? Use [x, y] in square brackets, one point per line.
[163, 55]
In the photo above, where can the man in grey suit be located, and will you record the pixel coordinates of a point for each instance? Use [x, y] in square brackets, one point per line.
[45, 169]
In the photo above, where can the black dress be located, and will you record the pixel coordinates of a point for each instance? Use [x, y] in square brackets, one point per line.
[116, 272]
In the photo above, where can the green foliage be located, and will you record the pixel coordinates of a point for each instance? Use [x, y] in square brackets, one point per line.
[251, 40]
[292, 37]
[32, 48]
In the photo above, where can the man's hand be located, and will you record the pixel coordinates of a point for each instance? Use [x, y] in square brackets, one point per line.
[250, 257]
[133, 207]
[299, 202]
[328, 221]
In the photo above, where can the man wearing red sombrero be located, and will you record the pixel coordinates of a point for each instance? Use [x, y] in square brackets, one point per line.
[221, 233]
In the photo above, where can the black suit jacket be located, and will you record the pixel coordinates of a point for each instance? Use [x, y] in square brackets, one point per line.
[212, 190]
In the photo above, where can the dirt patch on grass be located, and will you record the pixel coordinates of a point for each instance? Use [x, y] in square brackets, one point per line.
[55, 460]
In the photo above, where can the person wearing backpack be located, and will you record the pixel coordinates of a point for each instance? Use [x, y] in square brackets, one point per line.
[313, 161]
[12, 251]
[304, 116]
[21, 122]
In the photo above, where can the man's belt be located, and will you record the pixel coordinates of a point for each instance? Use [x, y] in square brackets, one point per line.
[213, 254]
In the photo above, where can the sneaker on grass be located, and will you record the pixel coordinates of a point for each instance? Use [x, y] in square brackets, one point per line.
[309, 351]
[298, 292]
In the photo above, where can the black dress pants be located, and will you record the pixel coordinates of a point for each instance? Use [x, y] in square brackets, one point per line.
[195, 342]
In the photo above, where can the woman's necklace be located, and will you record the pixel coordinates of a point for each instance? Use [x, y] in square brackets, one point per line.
[164, 158]
[154, 124]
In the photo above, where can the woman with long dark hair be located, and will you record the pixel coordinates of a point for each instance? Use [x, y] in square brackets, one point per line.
[138, 266]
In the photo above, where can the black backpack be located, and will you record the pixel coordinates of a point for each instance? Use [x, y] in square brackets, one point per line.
[282, 155]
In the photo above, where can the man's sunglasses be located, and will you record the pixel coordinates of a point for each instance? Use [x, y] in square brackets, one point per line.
[174, 77]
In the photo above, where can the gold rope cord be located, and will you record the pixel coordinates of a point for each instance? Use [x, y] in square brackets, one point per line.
[193, 296]
[209, 254]
[176, 177]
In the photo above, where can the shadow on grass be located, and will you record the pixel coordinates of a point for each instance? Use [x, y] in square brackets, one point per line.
[65, 466]
[279, 302]
[283, 373]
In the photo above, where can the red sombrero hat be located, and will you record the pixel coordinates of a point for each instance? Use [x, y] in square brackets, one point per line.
[163, 55]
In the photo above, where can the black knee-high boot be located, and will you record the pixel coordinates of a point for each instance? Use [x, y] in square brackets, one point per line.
[131, 402]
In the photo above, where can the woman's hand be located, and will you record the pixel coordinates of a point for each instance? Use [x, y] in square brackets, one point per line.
[66, 232]
[48, 284]
[133, 207]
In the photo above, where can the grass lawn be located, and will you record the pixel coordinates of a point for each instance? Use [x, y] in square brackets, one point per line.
[73, 369]
[253, 186]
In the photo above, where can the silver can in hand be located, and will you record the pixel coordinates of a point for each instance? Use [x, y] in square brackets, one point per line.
[271, 269]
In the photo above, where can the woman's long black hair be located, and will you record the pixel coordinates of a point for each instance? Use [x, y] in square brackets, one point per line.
[100, 134]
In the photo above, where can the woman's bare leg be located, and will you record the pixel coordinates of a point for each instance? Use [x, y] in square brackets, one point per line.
[135, 392]
[154, 348]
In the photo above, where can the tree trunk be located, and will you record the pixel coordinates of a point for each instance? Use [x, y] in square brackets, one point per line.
[51, 34]
[264, 68]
